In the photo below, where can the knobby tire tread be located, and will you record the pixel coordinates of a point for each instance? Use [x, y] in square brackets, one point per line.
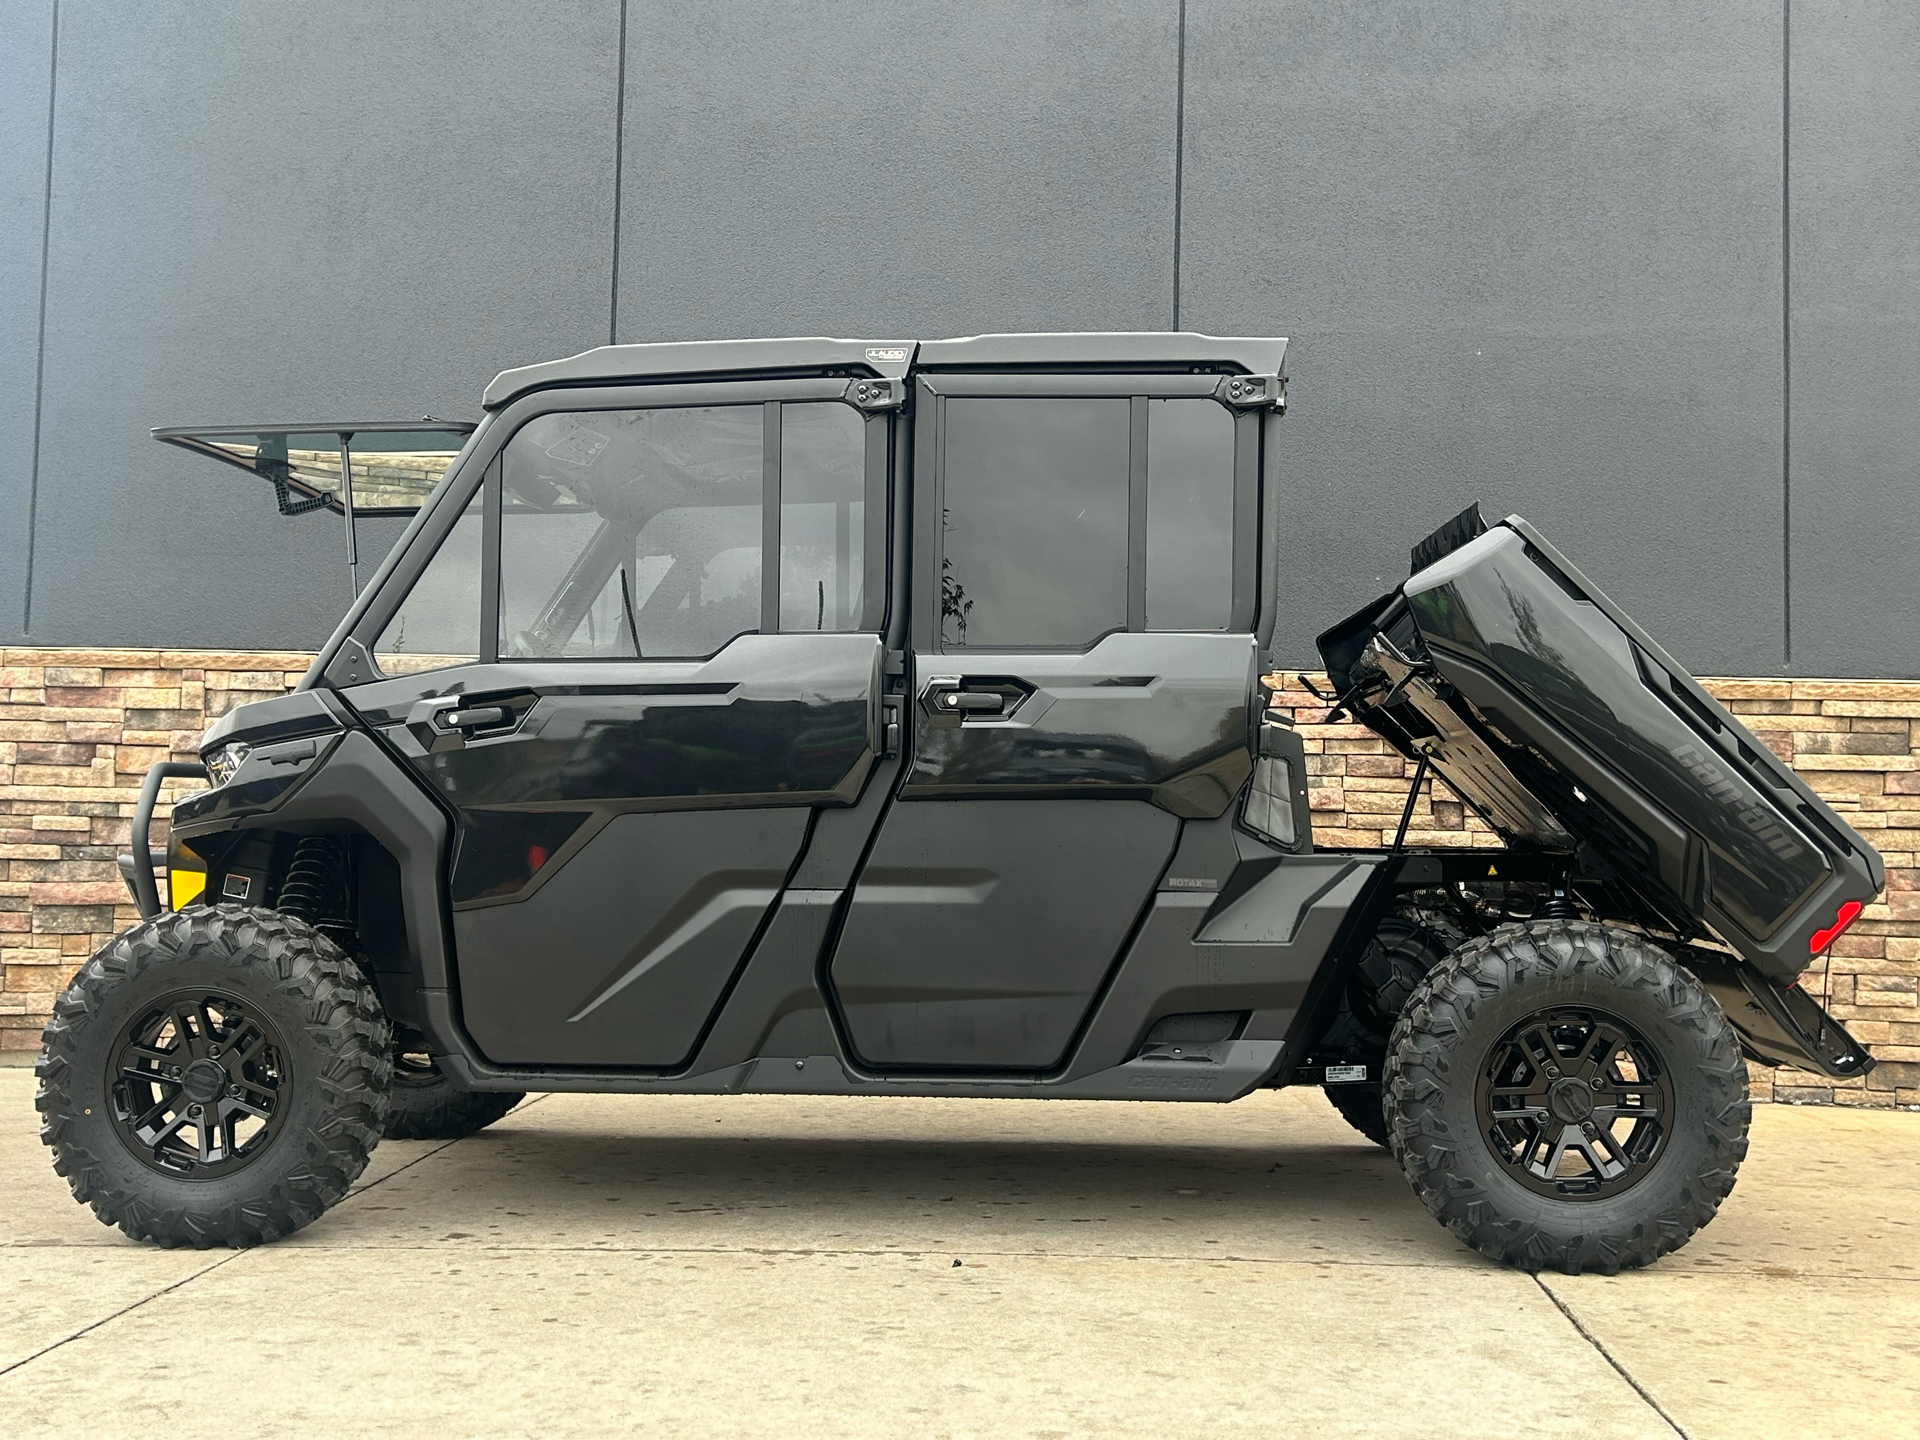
[1436, 1044]
[320, 992]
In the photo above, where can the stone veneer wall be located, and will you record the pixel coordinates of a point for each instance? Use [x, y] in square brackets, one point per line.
[78, 729]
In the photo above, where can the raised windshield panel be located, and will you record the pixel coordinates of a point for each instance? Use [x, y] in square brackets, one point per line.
[631, 534]
[438, 624]
[393, 471]
[823, 469]
[1189, 515]
[1034, 535]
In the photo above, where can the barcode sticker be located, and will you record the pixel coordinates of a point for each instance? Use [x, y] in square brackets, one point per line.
[1343, 1074]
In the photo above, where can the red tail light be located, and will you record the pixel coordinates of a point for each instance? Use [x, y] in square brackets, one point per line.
[1849, 913]
[537, 856]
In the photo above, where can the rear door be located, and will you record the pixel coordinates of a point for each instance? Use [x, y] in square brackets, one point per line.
[1082, 661]
[644, 650]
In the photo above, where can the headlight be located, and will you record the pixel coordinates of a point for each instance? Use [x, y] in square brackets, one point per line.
[222, 763]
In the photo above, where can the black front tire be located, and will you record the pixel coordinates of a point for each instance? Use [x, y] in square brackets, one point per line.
[135, 1045]
[428, 1104]
[1520, 1019]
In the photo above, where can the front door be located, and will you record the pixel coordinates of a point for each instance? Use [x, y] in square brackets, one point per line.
[1083, 662]
[644, 651]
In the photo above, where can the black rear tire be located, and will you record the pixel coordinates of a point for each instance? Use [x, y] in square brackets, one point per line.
[214, 1076]
[428, 1104]
[1565, 1095]
[1405, 947]
[1360, 1106]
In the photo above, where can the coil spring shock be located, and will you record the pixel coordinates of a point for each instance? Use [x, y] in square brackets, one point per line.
[1559, 904]
[312, 879]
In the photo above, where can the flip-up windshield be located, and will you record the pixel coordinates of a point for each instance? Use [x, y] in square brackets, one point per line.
[393, 466]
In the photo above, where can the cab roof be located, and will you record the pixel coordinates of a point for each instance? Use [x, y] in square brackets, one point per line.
[893, 359]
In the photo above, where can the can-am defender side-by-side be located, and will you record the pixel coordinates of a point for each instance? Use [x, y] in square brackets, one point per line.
[851, 717]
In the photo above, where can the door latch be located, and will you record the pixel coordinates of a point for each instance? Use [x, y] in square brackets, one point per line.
[447, 722]
[478, 717]
[968, 702]
[950, 701]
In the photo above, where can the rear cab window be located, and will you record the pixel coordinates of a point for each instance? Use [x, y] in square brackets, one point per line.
[1066, 518]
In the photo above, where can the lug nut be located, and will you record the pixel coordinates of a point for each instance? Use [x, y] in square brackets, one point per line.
[234, 1090]
[194, 1111]
[1599, 1082]
[214, 1053]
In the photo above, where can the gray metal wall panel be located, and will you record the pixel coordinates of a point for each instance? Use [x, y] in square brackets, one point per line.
[25, 33]
[1855, 143]
[281, 212]
[1527, 254]
[922, 169]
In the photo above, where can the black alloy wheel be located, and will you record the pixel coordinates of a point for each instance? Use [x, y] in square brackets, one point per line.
[1575, 1103]
[1605, 1086]
[214, 1076]
[196, 1082]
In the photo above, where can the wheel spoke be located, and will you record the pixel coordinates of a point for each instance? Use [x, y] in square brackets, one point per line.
[1604, 1113]
[1556, 1151]
[158, 1108]
[232, 1104]
[1530, 1091]
[187, 1041]
[1539, 1048]
[1604, 1154]
[1599, 1051]
[166, 1132]
[146, 1053]
[248, 1040]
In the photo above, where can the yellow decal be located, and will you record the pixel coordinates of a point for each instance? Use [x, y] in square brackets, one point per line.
[184, 885]
[1492, 871]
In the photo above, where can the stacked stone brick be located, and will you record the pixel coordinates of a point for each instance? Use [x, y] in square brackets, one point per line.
[80, 727]
[78, 730]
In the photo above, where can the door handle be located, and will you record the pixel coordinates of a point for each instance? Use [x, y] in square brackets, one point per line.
[956, 701]
[479, 717]
[972, 702]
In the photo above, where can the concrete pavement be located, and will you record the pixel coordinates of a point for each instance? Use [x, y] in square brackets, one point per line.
[787, 1266]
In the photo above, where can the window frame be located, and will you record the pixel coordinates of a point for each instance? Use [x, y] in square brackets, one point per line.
[933, 392]
[483, 467]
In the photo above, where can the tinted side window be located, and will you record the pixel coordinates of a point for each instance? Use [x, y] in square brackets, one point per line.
[1189, 515]
[823, 516]
[438, 624]
[631, 533]
[1035, 529]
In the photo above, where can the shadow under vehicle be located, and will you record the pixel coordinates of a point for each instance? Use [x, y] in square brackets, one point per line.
[852, 717]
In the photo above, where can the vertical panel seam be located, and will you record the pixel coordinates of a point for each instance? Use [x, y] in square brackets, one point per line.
[1786, 334]
[1179, 147]
[40, 336]
[619, 168]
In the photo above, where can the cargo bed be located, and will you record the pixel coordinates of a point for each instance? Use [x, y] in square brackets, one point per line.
[1568, 729]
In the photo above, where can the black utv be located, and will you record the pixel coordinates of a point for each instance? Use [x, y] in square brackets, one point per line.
[846, 717]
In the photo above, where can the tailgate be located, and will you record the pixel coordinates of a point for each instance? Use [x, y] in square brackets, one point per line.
[1567, 728]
